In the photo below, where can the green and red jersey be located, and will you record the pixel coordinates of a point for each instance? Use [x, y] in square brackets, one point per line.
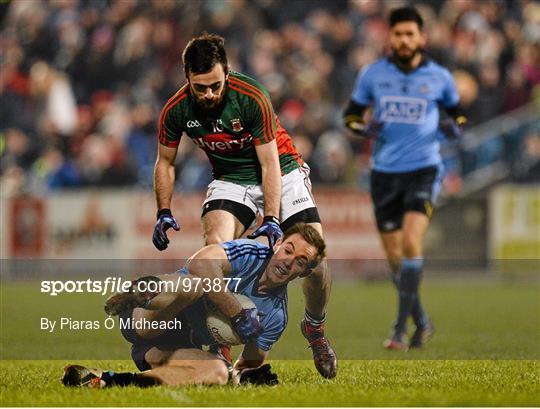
[246, 120]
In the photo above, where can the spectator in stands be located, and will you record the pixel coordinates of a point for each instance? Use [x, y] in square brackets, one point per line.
[85, 67]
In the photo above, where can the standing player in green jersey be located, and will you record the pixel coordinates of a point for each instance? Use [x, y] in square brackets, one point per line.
[255, 166]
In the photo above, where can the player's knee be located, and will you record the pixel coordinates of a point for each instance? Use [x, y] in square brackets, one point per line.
[219, 373]
[394, 253]
[139, 317]
[412, 245]
[214, 238]
[156, 357]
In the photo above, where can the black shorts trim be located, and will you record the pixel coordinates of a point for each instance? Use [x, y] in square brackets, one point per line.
[309, 215]
[242, 212]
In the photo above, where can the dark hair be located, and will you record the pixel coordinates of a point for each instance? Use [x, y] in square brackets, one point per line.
[405, 14]
[203, 53]
[310, 235]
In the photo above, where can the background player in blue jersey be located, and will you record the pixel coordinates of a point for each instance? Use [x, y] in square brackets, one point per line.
[175, 357]
[405, 91]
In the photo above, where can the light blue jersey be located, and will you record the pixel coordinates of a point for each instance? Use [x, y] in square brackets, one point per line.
[248, 259]
[407, 105]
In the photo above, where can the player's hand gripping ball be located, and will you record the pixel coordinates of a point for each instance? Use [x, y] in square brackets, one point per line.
[245, 328]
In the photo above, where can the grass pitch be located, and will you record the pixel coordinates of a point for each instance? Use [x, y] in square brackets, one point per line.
[485, 353]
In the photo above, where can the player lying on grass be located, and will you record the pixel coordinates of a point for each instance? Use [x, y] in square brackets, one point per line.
[175, 357]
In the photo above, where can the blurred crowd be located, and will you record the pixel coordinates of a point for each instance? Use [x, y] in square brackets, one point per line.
[82, 82]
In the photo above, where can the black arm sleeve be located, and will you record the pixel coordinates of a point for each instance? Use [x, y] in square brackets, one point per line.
[353, 117]
[354, 112]
[457, 114]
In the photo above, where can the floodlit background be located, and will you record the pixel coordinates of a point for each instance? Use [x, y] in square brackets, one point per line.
[82, 84]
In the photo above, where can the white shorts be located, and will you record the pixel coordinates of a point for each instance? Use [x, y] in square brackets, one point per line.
[296, 197]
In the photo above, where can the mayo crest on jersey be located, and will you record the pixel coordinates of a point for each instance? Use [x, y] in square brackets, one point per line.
[248, 260]
[245, 119]
[407, 104]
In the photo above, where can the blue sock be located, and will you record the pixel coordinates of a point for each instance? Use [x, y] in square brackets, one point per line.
[418, 314]
[395, 280]
[409, 281]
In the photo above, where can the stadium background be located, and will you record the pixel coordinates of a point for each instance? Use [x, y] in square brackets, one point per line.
[82, 84]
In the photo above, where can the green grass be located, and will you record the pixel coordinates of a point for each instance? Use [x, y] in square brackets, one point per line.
[485, 353]
[360, 383]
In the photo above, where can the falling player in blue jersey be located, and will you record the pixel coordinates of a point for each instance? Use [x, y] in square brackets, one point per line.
[405, 91]
[173, 356]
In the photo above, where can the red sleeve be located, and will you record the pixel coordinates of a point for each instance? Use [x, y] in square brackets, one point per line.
[170, 123]
[260, 116]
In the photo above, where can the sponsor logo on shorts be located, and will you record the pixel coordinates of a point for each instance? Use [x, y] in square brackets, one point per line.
[301, 200]
[403, 110]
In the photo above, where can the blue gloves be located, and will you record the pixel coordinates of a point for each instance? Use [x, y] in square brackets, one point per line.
[450, 128]
[246, 324]
[165, 220]
[269, 228]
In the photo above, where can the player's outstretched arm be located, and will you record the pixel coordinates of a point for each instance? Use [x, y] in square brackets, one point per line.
[271, 186]
[164, 176]
[267, 155]
[163, 187]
